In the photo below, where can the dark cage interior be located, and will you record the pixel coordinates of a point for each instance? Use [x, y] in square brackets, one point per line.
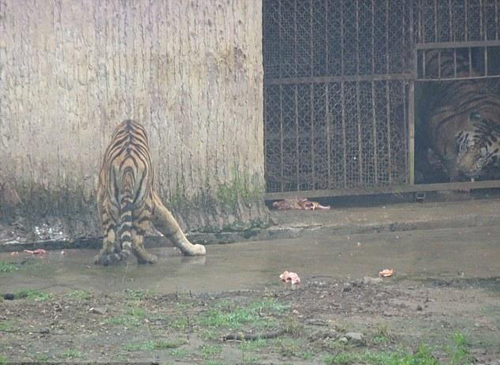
[339, 77]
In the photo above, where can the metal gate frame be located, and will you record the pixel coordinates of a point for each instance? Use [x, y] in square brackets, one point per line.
[410, 78]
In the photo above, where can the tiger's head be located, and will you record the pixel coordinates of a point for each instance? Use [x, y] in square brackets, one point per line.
[477, 148]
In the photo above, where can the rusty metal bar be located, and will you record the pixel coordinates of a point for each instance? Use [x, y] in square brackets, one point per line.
[399, 189]
[344, 142]
[328, 118]
[436, 33]
[452, 31]
[497, 15]
[329, 79]
[411, 108]
[460, 78]
[282, 143]
[296, 100]
[342, 95]
[470, 61]
[387, 97]
[466, 6]
[482, 32]
[442, 45]
[313, 157]
[374, 114]
[486, 61]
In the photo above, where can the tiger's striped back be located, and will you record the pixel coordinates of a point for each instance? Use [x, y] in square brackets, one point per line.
[125, 181]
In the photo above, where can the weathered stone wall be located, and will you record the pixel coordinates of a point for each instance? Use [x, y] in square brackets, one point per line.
[190, 71]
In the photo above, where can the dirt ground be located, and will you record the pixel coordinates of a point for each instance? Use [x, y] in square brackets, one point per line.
[321, 321]
[440, 307]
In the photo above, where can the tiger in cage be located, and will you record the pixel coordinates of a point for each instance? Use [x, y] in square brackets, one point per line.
[461, 118]
[127, 202]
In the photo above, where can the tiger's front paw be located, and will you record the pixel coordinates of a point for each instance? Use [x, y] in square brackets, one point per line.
[199, 250]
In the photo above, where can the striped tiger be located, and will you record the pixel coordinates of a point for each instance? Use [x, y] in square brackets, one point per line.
[447, 108]
[127, 202]
[478, 149]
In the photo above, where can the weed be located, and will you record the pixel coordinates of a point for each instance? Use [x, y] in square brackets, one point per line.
[6, 326]
[250, 346]
[7, 267]
[154, 345]
[127, 321]
[423, 356]
[136, 312]
[32, 294]
[228, 315]
[307, 355]
[40, 358]
[71, 354]
[460, 352]
[179, 353]
[210, 351]
[179, 324]
[3, 360]
[131, 294]
[287, 347]
[80, 294]
[383, 334]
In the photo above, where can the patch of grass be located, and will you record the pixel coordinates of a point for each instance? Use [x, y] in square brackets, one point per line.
[33, 294]
[6, 326]
[422, 356]
[40, 357]
[211, 362]
[229, 315]
[79, 294]
[131, 294]
[383, 334]
[3, 360]
[179, 353]
[210, 351]
[307, 355]
[179, 324]
[7, 267]
[127, 321]
[154, 345]
[250, 346]
[460, 353]
[71, 354]
[136, 312]
[287, 347]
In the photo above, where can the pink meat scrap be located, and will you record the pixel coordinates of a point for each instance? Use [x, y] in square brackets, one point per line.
[290, 277]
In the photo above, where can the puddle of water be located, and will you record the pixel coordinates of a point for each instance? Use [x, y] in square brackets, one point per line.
[474, 252]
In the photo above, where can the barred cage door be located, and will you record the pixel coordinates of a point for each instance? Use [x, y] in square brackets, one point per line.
[338, 94]
[457, 46]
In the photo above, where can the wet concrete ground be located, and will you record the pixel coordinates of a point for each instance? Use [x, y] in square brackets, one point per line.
[446, 253]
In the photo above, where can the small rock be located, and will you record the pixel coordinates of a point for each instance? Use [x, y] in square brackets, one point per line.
[370, 281]
[419, 308]
[97, 310]
[355, 337]
[45, 330]
[343, 340]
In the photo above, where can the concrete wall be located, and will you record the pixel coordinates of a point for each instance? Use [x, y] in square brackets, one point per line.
[190, 71]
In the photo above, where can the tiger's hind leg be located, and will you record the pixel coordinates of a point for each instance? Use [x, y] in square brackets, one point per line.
[111, 251]
[108, 254]
[142, 217]
[143, 257]
[165, 222]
